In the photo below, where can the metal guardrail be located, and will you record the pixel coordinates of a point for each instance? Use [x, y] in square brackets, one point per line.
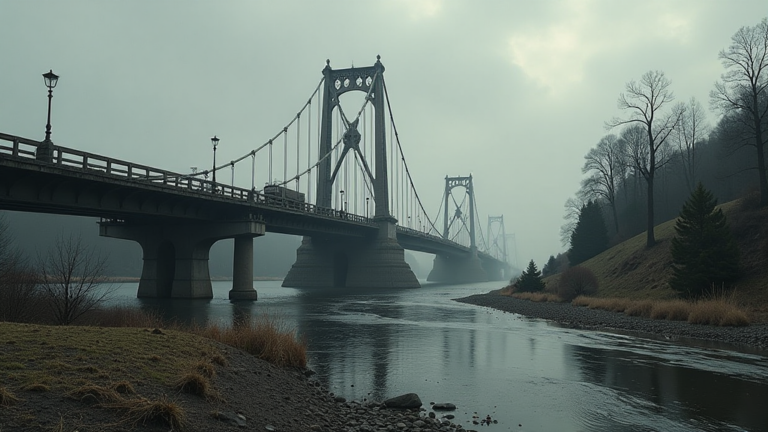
[24, 148]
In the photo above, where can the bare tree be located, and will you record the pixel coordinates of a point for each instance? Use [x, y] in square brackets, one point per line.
[70, 279]
[606, 166]
[742, 88]
[572, 210]
[645, 100]
[691, 130]
[19, 297]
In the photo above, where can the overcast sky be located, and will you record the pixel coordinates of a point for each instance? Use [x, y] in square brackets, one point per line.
[513, 92]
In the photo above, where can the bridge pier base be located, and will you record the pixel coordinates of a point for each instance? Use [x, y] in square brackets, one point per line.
[242, 270]
[355, 263]
[495, 270]
[176, 256]
[452, 269]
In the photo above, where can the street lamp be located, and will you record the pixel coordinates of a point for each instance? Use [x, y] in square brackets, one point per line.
[342, 199]
[45, 150]
[215, 142]
[366, 206]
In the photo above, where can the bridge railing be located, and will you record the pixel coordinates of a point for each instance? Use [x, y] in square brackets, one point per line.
[16, 146]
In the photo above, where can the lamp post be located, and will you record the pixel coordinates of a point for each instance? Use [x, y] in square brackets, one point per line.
[215, 142]
[45, 150]
[342, 200]
[366, 206]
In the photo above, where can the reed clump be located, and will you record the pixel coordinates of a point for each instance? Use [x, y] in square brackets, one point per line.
[266, 338]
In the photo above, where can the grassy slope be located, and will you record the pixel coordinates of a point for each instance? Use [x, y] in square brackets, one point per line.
[65, 357]
[631, 270]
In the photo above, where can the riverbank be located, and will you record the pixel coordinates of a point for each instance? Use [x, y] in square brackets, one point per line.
[753, 336]
[67, 378]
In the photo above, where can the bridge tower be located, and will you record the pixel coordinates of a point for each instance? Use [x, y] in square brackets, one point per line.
[497, 248]
[458, 269]
[376, 262]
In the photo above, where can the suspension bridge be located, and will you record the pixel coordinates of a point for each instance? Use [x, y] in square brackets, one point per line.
[366, 208]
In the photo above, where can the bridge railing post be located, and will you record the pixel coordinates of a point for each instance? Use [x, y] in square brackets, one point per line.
[16, 147]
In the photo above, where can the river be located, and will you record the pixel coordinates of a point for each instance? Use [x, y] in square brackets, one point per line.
[526, 374]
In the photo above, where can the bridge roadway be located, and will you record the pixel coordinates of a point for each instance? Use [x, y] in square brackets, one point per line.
[87, 184]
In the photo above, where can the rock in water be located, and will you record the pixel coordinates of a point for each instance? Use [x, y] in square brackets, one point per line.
[409, 400]
[444, 406]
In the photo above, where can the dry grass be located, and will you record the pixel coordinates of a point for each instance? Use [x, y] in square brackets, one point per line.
[95, 394]
[123, 387]
[7, 398]
[194, 383]
[121, 316]
[143, 411]
[37, 387]
[613, 304]
[672, 310]
[718, 311]
[205, 368]
[264, 338]
[537, 297]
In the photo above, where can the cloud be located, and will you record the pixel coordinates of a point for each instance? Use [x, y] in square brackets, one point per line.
[418, 10]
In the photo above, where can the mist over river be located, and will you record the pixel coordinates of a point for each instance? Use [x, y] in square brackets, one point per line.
[528, 374]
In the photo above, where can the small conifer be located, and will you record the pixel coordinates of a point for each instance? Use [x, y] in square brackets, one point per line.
[530, 280]
[704, 253]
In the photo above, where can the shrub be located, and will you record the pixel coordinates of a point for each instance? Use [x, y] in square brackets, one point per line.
[576, 281]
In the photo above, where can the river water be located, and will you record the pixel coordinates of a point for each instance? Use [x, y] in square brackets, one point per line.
[527, 374]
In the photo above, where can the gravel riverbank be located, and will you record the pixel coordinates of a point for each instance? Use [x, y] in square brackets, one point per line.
[753, 336]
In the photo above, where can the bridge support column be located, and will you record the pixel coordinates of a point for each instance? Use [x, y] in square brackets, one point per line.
[494, 270]
[176, 256]
[242, 270]
[452, 269]
[355, 263]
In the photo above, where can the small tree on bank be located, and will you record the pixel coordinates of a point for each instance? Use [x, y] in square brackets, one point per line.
[70, 275]
[704, 252]
[530, 280]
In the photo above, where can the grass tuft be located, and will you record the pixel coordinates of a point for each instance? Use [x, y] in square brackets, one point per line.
[219, 359]
[95, 394]
[717, 312]
[194, 383]
[7, 398]
[204, 368]
[123, 387]
[36, 387]
[162, 411]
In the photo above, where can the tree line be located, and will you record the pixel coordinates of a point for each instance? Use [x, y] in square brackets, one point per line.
[660, 153]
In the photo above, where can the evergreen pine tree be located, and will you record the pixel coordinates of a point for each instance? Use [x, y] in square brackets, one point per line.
[704, 253]
[530, 280]
[550, 267]
[590, 237]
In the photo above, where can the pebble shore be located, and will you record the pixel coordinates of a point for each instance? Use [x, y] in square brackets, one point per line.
[754, 336]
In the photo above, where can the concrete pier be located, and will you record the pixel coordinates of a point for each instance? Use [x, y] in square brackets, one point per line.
[454, 269]
[357, 263]
[176, 256]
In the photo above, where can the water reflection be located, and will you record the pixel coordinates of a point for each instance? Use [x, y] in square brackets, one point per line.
[677, 391]
[520, 371]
